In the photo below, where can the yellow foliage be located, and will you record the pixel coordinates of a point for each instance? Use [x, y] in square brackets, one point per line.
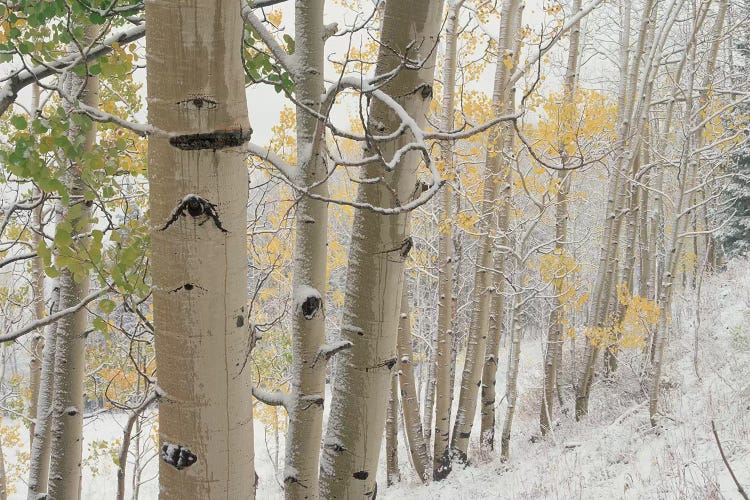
[640, 317]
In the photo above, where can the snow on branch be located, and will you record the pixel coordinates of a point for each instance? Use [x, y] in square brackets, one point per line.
[585, 10]
[327, 351]
[285, 60]
[272, 398]
[52, 317]
[22, 77]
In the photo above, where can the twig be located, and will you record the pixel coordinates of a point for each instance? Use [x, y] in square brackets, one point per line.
[726, 462]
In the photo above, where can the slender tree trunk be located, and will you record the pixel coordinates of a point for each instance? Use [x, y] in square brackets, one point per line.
[378, 248]
[37, 286]
[40, 445]
[428, 406]
[498, 303]
[198, 197]
[308, 320]
[478, 328]
[686, 197]
[393, 474]
[553, 353]
[409, 402]
[516, 332]
[440, 460]
[3, 475]
[67, 399]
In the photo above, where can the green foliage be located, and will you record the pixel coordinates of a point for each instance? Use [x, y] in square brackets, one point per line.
[260, 67]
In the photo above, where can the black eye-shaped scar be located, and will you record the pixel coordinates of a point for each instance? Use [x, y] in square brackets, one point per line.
[195, 206]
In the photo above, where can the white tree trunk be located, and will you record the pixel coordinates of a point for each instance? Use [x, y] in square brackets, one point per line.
[308, 319]
[483, 290]
[378, 248]
[67, 399]
[409, 402]
[198, 197]
[40, 445]
[443, 389]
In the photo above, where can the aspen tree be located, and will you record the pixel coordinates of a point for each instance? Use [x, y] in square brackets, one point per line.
[66, 427]
[553, 354]
[443, 358]
[392, 472]
[409, 402]
[500, 266]
[40, 445]
[198, 197]
[378, 248]
[685, 199]
[37, 285]
[478, 327]
[308, 320]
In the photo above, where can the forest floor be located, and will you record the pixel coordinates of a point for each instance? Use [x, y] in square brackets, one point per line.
[613, 453]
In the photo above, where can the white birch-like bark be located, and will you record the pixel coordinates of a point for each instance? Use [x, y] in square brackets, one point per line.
[553, 354]
[443, 388]
[686, 195]
[409, 403]
[478, 327]
[198, 198]
[499, 258]
[37, 287]
[308, 319]
[379, 246]
[514, 355]
[66, 427]
[40, 445]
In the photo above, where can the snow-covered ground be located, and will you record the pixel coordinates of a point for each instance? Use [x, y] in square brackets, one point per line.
[613, 453]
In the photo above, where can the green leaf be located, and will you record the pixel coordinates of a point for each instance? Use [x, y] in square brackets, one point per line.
[100, 324]
[97, 18]
[106, 306]
[19, 122]
[289, 44]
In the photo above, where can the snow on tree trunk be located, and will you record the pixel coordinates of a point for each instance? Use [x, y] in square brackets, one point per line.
[67, 399]
[37, 287]
[686, 200]
[478, 328]
[379, 246]
[443, 387]
[40, 445]
[198, 197]
[409, 403]
[308, 321]
[553, 354]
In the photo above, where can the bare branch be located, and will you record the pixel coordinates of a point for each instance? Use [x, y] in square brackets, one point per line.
[53, 317]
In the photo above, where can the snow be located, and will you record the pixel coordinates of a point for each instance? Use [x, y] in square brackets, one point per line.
[353, 329]
[612, 453]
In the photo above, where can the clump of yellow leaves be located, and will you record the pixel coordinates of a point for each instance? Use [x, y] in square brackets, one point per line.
[638, 321]
[560, 269]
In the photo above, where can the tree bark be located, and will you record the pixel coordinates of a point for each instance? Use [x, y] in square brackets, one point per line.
[478, 328]
[553, 353]
[198, 198]
[376, 259]
[37, 287]
[409, 402]
[40, 445]
[308, 319]
[393, 474]
[498, 301]
[440, 459]
[69, 368]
